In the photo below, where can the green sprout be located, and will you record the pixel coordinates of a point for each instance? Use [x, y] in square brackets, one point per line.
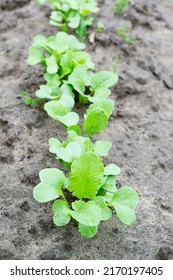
[122, 32]
[100, 26]
[121, 5]
[70, 14]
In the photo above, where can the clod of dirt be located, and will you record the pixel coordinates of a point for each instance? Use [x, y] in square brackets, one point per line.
[165, 254]
[10, 5]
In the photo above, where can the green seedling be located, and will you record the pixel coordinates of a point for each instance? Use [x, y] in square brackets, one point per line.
[59, 56]
[31, 101]
[122, 32]
[91, 186]
[69, 76]
[40, 2]
[100, 26]
[121, 5]
[70, 14]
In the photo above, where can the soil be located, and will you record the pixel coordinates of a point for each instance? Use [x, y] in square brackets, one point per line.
[141, 129]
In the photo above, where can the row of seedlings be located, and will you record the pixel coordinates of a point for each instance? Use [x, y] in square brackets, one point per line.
[87, 192]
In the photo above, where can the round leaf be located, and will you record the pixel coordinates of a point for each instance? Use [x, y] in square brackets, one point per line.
[112, 169]
[89, 214]
[54, 145]
[60, 218]
[52, 66]
[52, 180]
[124, 201]
[103, 79]
[87, 231]
[125, 214]
[69, 119]
[35, 55]
[70, 152]
[101, 148]
[126, 196]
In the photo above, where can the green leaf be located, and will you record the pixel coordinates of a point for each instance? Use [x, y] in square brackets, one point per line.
[52, 66]
[60, 110]
[66, 63]
[40, 2]
[53, 80]
[112, 169]
[40, 41]
[88, 213]
[70, 152]
[126, 196]
[79, 78]
[101, 148]
[52, 180]
[87, 145]
[78, 205]
[125, 214]
[55, 109]
[47, 92]
[107, 105]
[76, 129]
[74, 20]
[82, 29]
[68, 101]
[106, 212]
[84, 142]
[109, 184]
[83, 58]
[56, 18]
[69, 119]
[72, 135]
[100, 26]
[124, 201]
[67, 90]
[86, 176]
[60, 218]
[99, 94]
[64, 42]
[54, 145]
[35, 55]
[103, 79]
[95, 122]
[87, 231]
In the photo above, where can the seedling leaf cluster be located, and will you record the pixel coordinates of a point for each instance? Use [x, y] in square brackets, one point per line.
[72, 14]
[87, 191]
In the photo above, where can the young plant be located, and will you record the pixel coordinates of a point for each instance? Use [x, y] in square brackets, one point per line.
[122, 32]
[72, 14]
[121, 5]
[69, 76]
[59, 56]
[99, 26]
[88, 194]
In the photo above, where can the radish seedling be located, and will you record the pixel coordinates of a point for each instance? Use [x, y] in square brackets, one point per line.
[93, 192]
[72, 14]
[122, 32]
[121, 5]
[68, 72]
